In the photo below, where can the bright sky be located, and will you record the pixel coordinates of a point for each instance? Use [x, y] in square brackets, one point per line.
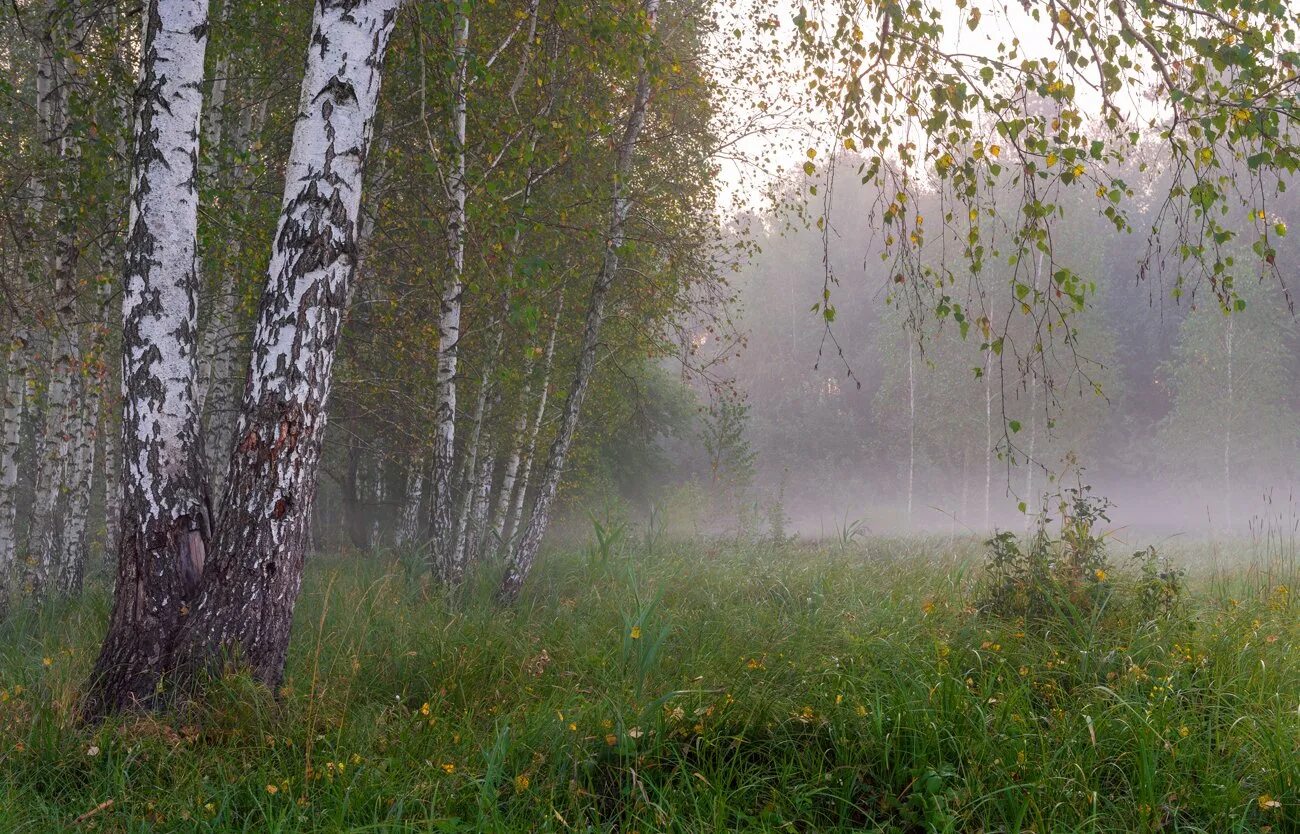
[777, 131]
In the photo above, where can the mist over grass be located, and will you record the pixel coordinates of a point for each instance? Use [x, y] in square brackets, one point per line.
[697, 685]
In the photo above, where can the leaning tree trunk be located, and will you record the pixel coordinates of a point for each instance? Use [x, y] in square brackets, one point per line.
[164, 531]
[249, 590]
[521, 561]
[445, 560]
[514, 486]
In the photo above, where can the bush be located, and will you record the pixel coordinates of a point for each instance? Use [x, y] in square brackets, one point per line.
[1070, 576]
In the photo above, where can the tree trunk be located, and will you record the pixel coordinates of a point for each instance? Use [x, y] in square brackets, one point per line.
[445, 560]
[1030, 500]
[165, 530]
[75, 518]
[1227, 434]
[521, 561]
[111, 435]
[246, 603]
[988, 435]
[16, 368]
[480, 498]
[61, 402]
[911, 427]
[354, 516]
[408, 524]
[219, 382]
[518, 489]
[465, 548]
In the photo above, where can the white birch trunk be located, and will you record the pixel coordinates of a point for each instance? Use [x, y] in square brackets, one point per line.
[988, 436]
[165, 530]
[528, 447]
[476, 523]
[219, 395]
[525, 554]
[445, 559]
[1031, 501]
[911, 428]
[482, 408]
[11, 424]
[408, 524]
[1227, 434]
[55, 440]
[251, 586]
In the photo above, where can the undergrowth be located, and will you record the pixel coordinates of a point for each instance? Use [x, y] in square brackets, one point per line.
[696, 687]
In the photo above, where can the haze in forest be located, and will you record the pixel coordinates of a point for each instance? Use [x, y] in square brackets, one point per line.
[1184, 417]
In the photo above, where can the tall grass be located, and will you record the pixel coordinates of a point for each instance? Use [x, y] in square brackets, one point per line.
[689, 687]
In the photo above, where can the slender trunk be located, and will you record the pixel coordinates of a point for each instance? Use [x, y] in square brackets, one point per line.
[965, 486]
[17, 369]
[111, 434]
[525, 554]
[445, 561]
[519, 488]
[221, 342]
[165, 530]
[1031, 502]
[911, 428]
[54, 451]
[72, 564]
[354, 518]
[92, 420]
[246, 603]
[510, 472]
[1227, 434]
[482, 408]
[61, 402]
[988, 435]
[481, 496]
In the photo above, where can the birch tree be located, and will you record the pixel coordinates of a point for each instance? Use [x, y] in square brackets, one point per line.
[252, 581]
[165, 528]
[525, 554]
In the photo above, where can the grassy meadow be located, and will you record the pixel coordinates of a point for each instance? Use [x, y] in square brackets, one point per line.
[695, 687]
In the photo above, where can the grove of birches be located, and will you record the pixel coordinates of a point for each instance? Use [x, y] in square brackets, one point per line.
[672, 414]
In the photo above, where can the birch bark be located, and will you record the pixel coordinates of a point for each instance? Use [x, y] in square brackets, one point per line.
[445, 561]
[528, 451]
[61, 402]
[164, 528]
[16, 370]
[249, 590]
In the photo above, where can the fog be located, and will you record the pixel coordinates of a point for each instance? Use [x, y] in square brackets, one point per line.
[1184, 417]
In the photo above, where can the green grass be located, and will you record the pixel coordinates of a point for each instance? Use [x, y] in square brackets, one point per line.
[704, 688]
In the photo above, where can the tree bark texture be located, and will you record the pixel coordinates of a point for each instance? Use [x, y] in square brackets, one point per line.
[165, 520]
[247, 599]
